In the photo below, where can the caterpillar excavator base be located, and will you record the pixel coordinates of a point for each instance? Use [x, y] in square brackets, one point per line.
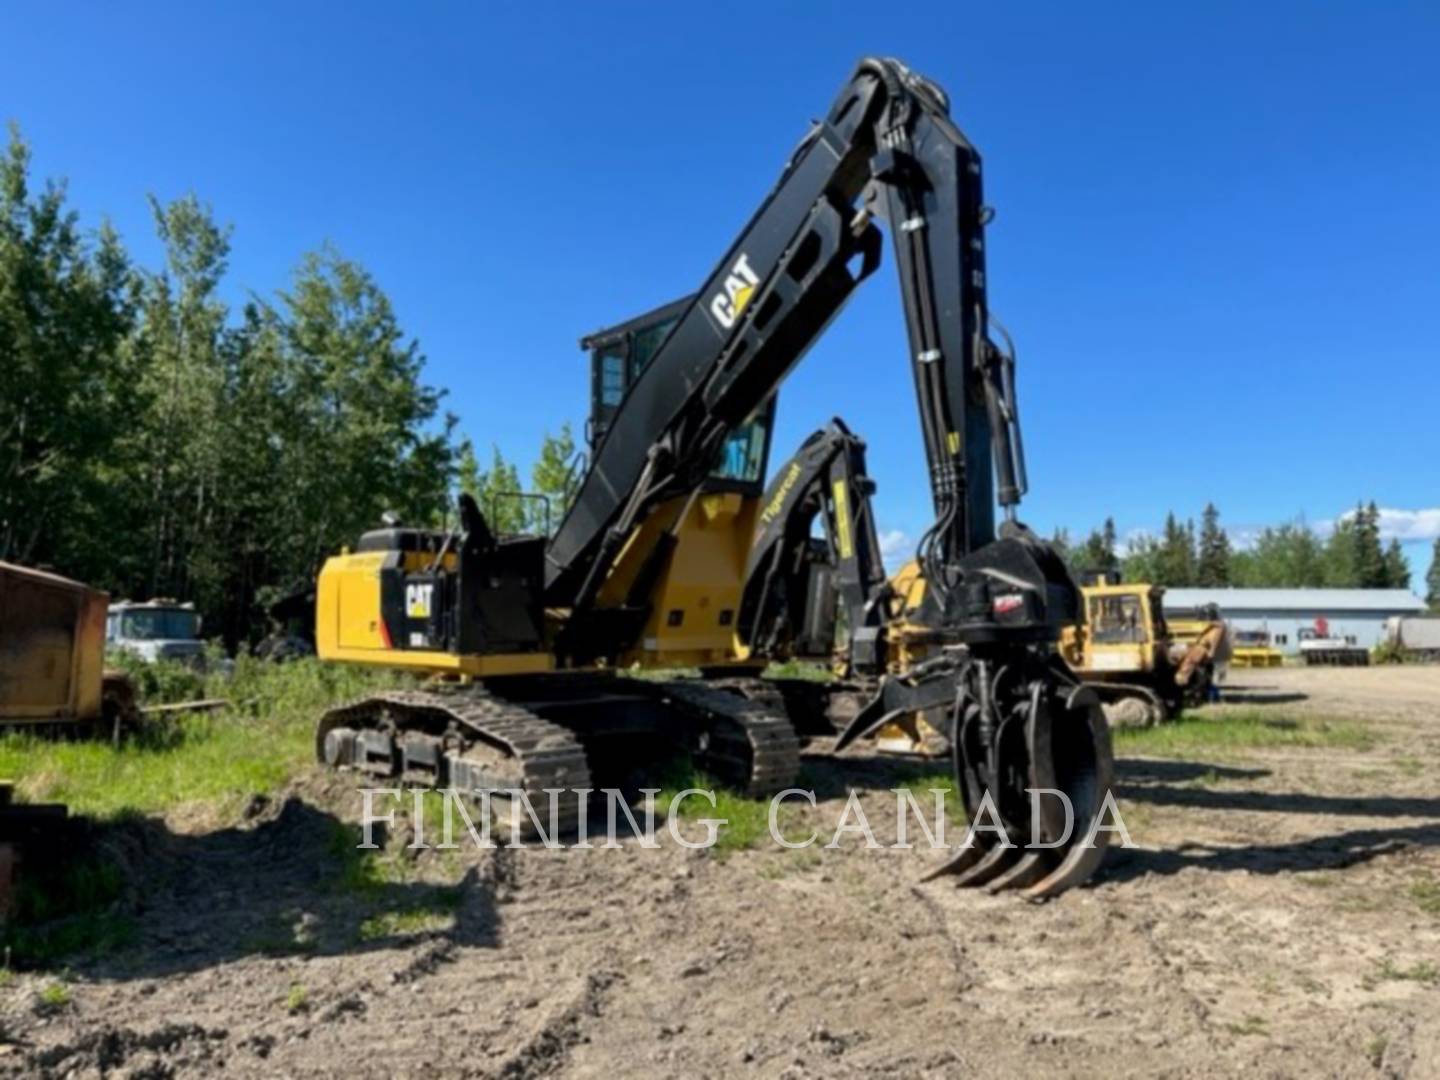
[562, 733]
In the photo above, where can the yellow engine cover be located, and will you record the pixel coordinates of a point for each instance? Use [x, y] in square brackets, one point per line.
[349, 626]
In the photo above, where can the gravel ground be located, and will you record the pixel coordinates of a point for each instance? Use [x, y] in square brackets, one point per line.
[1279, 916]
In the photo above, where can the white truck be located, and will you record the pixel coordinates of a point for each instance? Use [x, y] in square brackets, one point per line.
[156, 630]
[1417, 635]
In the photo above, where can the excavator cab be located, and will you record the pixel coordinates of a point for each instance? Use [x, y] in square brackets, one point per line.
[619, 353]
[682, 573]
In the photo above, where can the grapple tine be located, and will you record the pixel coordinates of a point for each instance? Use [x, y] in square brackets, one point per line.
[1030, 869]
[1084, 769]
[1080, 862]
[995, 862]
[957, 864]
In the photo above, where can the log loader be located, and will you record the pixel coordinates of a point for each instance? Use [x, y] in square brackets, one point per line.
[647, 565]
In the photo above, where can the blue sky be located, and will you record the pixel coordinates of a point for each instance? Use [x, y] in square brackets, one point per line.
[1215, 244]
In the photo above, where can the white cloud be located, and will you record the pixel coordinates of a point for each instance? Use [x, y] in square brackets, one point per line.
[1243, 537]
[896, 543]
[1405, 525]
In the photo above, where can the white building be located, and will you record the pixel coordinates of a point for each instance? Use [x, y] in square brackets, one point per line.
[1354, 615]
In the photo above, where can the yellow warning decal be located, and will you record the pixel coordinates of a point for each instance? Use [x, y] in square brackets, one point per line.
[843, 538]
[952, 441]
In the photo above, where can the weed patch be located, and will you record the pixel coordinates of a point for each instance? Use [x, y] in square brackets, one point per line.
[63, 906]
[747, 821]
[407, 923]
[1422, 971]
[54, 997]
[297, 999]
[1426, 894]
[1251, 1025]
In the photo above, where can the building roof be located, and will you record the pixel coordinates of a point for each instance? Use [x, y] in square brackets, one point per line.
[1384, 600]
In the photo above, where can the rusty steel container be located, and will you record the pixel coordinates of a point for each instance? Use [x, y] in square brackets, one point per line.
[52, 648]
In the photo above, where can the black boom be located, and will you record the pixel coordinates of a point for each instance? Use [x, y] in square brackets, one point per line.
[886, 151]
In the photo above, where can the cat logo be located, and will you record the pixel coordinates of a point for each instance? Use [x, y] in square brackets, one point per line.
[727, 304]
[417, 601]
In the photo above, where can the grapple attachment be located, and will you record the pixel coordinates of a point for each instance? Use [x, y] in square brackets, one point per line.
[1033, 766]
[1033, 763]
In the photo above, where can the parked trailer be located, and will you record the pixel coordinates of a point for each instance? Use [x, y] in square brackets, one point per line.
[1417, 635]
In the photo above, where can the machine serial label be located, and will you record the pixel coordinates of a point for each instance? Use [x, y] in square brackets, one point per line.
[727, 304]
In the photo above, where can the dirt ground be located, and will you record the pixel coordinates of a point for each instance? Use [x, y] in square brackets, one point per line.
[1280, 916]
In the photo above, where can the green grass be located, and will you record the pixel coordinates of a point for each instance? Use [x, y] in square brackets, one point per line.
[55, 996]
[297, 999]
[1422, 971]
[372, 875]
[1242, 729]
[800, 669]
[921, 787]
[1426, 894]
[65, 907]
[1251, 1025]
[215, 758]
[251, 748]
[747, 821]
[405, 923]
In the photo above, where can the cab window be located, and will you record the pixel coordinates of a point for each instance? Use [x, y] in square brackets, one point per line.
[742, 458]
[1117, 620]
[646, 343]
[612, 377]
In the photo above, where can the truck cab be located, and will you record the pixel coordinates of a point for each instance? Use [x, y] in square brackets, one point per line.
[155, 630]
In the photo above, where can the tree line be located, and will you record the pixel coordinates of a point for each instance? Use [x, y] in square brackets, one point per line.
[155, 441]
[1284, 556]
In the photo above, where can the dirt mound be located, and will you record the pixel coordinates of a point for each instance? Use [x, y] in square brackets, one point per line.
[165, 1051]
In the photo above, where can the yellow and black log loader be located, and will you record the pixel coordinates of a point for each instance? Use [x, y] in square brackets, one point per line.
[647, 566]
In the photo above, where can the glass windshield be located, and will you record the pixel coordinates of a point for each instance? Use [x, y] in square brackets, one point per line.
[743, 457]
[645, 344]
[1116, 620]
[160, 624]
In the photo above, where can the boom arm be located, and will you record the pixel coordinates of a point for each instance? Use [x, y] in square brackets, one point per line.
[886, 149]
[787, 581]
[1019, 721]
